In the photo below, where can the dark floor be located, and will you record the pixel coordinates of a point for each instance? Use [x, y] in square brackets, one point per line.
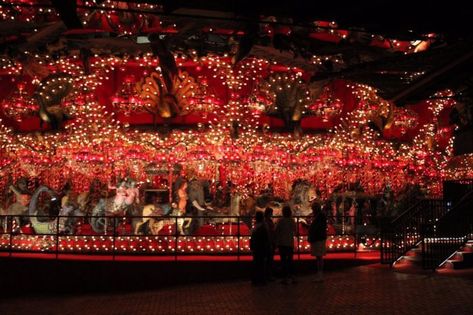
[33, 274]
[371, 289]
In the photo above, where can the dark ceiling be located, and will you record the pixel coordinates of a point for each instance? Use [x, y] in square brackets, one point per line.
[402, 78]
[398, 18]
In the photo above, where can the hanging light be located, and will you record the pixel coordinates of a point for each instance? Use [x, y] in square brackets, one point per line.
[125, 100]
[20, 105]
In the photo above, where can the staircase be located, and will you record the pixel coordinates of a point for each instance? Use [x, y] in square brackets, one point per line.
[429, 234]
[413, 259]
[405, 232]
[461, 259]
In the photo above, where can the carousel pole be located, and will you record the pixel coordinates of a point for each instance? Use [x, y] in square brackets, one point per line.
[176, 223]
[5, 219]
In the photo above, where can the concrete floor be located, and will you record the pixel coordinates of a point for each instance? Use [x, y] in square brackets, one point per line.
[371, 289]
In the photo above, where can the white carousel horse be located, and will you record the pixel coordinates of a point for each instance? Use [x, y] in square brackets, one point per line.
[150, 214]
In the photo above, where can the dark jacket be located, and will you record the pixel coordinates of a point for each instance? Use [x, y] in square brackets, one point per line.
[271, 230]
[259, 242]
[318, 229]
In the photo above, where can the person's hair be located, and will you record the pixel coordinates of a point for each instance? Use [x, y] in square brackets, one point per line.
[286, 211]
[268, 212]
[316, 207]
[181, 185]
[259, 216]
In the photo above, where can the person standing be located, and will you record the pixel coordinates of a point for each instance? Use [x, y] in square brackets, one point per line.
[317, 238]
[259, 245]
[268, 220]
[284, 233]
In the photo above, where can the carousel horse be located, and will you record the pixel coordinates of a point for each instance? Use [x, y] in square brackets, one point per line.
[66, 215]
[302, 195]
[20, 206]
[22, 200]
[112, 206]
[151, 224]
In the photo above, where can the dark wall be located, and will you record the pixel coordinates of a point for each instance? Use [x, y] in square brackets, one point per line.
[453, 191]
[463, 142]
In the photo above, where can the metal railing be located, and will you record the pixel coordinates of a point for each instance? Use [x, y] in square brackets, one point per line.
[404, 233]
[440, 239]
[161, 235]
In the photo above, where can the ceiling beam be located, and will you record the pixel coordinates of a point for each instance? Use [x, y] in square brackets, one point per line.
[429, 78]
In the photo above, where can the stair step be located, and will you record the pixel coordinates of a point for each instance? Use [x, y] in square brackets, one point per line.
[458, 264]
[460, 260]
[467, 257]
[414, 252]
[413, 258]
[407, 264]
[468, 249]
[448, 265]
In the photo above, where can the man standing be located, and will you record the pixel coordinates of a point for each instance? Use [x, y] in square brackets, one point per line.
[268, 220]
[317, 238]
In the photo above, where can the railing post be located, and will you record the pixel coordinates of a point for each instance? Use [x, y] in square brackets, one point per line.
[423, 255]
[176, 234]
[105, 224]
[298, 234]
[238, 238]
[5, 224]
[355, 236]
[10, 252]
[57, 236]
[114, 235]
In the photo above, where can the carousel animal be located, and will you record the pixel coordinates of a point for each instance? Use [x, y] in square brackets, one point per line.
[117, 205]
[23, 197]
[67, 215]
[20, 207]
[153, 221]
[302, 195]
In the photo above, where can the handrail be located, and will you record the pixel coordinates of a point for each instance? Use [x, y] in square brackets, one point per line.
[406, 212]
[403, 234]
[441, 239]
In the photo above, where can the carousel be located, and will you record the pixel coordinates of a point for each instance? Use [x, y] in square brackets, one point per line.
[127, 131]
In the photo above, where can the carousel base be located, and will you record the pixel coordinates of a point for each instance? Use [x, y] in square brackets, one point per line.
[41, 273]
[162, 245]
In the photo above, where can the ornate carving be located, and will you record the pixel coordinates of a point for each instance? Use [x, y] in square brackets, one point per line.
[159, 100]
